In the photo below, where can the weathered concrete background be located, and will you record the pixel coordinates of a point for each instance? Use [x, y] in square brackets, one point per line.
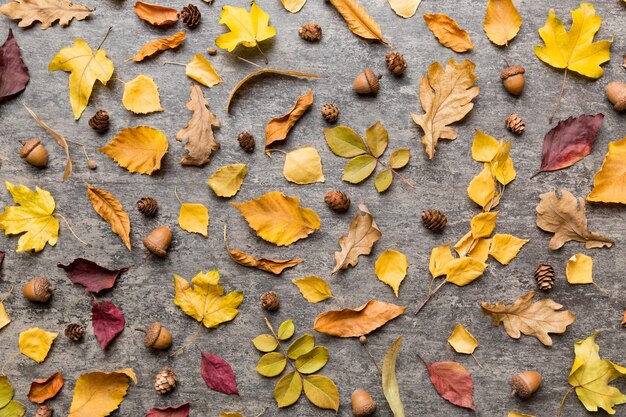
[145, 292]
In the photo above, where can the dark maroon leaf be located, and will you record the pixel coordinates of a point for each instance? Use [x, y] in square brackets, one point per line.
[218, 374]
[108, 322]
[453, 382]
[91, 275]
[2, 253]
[13, 72]
[180, 410]
[569, 141]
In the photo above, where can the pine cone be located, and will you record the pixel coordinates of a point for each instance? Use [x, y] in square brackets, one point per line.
[330, 112]
[311, 32]
[337, 201]
[246, 141]
[165, 381]
[44, 411]
[270, 301]
[544, 275]
[74, 331]
[434, 220]
[515, 124]
[190, 15]
[100, 121]
[395, 63]
[147, 206]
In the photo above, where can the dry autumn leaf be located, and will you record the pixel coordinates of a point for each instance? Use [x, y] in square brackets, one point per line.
[608, 186]
[362, 235]
[359, 321]
[482, 189]
[404, 8]
[246, 28]
[154, 14]
[462, 341]
[502, 21]
[303, 166]
[358, 20]
[201, 70]
[448, 32]
[163, 44]
[14, 73]
[463, 271]
[532, 319]
[43, 389]
[483, 224]
[389, 379]
[112, 211]
[98, 394]
[36, 343]
[453, 382]
[313, 289]
[141, 95]
[278, 128]
[138, 149]
[321, 391]
[391, 267]
[274, 266]
[45, 11]
[194, 218]
[439, 258]
[293, 6]
[579, 269]
[226, 181]
[4, 317]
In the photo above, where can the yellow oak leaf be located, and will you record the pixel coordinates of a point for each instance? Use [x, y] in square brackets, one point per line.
[36, 343]
[313, 289]
[246, 28]
[504, 248]
[201, 70]
[462, 341]
[45, 11]
[404, 8]
[98, 394]
[463, 271]
[439, 258]
[448, 32]
[205, 301]
[391, 268]
[159, 45]
[141, 96]
[303, 166]
[608, 184]
[112, 211]
[483, 224]
[502, 21]
[4, 317]
[194, 218]
[138, 149]
[85, 67]
[579, 269]
[226, 181]
[33, 216]
[482, 189]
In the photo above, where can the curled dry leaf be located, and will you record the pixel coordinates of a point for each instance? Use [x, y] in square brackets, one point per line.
[390, 381]
[45, 388]
[303, 166]
[141, 95]
[163, 44]
[608, 186]
[359, 321]
[362, 235]
[358, 20]
[45, 11]
[156, 15]
[108, 322]
[138, 149]
[448, 32]
[274, 266]
[278, 128]
[98, 394]
[453, 382]
[14, 74]
[218, 374]
[201, 70]
[404, 8]
[112, 211]
[36, 343]
[180, 410]
[90, 275]
[502, 21]
[226, 181]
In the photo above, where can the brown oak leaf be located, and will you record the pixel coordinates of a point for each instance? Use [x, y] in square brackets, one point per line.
[362, 235]
[45, 11]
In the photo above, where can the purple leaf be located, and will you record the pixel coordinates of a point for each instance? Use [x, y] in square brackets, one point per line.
[180, 410]
[13, 72]
[569, 142]
[218, 374]
[91, 275]
[108, 322]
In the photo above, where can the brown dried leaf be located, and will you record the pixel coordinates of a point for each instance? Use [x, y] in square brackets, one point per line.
[155, 14]
[159, 45]
[358, 20]
[278, 128]
[45, 388]
[448, 32]
[359, 321]
[275, 266]
[362, 235]
[45, 11]
[111, 210]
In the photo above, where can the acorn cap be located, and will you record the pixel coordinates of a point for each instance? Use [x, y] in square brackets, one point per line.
[362, 403]
[158, 241]
[511, 71]
[157, 337]
[526, 383]
[28, 146]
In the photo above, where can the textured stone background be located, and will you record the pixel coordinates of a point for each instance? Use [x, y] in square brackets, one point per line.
[145, 292]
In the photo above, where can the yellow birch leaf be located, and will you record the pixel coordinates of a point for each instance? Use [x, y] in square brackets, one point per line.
[502, 21]
[608, 184]
[359, 21]
[293, 6]
[439, 258]
[226, 181]
[462, 341]
[246, 28]
[141, 96]
[313, 289]
[288, 389]
[464, 244]
[391, 267]
[159, 45]
[138, 149]
[463, 271]
[404, 8]
[36, 343]
[448, 32]
[482, 188]
[322, 392]
[98, 394]
[484, 147]
[201, 70]
[502, 165]
[579, 269]
[112, 211]
[194, 218]
[483, 224]
[504, 248]
[4, 317]
[303, 166]
[480, 251]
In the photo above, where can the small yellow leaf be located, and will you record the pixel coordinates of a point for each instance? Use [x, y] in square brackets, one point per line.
[265, 343]
[286, 330]
[462, 341]
[399, 158]
[246, 28]
[439, 258]
[138, 149]
[462, 271]
[448, 32]
[271, 364]
[404, 8]
[226, 181]
[293, 6]
[391, 268]
[36, 343]
[483, 224]
[111, 210]
[322, 392]
[504, 248]
[484, 147]
[482, 189]
[201, 70]
[98, 394]
[579, 269]
[141, 96]
[194, 218]
[313, 289]
[383, 180]
[502, 21]
[4, 317]
[303, 166]
[608, 184]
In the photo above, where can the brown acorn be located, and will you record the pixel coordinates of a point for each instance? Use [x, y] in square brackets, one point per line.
[526, 383]
[363, 404]
[158, 241]
[157, 337]
[616, 93]
[38, 290]
[366, 82]
[34, 153]
[513, 79]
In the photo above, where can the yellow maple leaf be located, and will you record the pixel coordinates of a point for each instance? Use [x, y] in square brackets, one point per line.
[206, 301]
[85, 67]
[98, 394]
[462, 341]
[138, 149]
[201, 70]
[194, 218]
[33, 217]
[608, 184]
[246, 28]
[141, 95]
[36, 343]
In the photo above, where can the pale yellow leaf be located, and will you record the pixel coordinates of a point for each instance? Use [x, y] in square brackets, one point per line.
[462, 341]
[391, 267]
[404, 8]
[313, 289]
[502, 21]
[141, 96]
[194, 218]
[226, 181]
[303, 166]
[504, 248]
[36, 343]
[389, 379]
[138, 149]
[293, 6]
[201, 70]
[322, 392]
[579, 269]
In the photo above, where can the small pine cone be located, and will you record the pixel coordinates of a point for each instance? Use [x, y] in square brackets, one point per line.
[100, 121]
[515, 124]
[246, 141]
[44, 411]
[337, 201]
[311, 32]
[190, 15]
[395, 63]
[74, 331]
[330, 112]
[165, 381]
[147, 206]
[434, 220]
[270, 301]
[544, 275]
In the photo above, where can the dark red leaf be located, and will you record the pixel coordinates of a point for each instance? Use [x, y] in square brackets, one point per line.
[13, 72]
[2, 253]
[180, 410]
[453, 382]
[91, 275]
[108, 322]
[218, 374]
[569, 141]
[42, 390]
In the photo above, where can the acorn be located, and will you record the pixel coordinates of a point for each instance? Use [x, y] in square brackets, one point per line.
[34, 153]
[362, 403]
[526, 383]
[91, 164]
[366, 82]
[157, 337]
[616, 93]
[513, 79]
[38, 290]
[158, 241]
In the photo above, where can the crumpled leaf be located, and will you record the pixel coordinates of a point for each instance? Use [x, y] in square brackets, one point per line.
[404, 8]
[462, 341]
[201, 70]
[474, 248]
[194, 218]
[504, 248]
[303, 166]
[278, 218]
[226, 181]
[453, 382]
[564, 215]
[278, 128]
[141, 95]
[14, 75]
[98, 394]
[199, 130]
[90, 275]
[288, 389]
[218, 374]
[112, 211]
[463, 271]
[180, 410]
[246, 28]
[532, 319]
[448, 32]
[108, 322]
[362, 235]
[36, 343]
[569, 142]
[32, 216]
[205, 301]
[358, 20]
[389, 379]
[163, 44]
[322, 392]
[608, 186]
[502, 21]
[154, 14]
[391, 267]
[45, 11]
[446, 96]
[138, 149]
[313, 289]
[85, 67]
[359, 321]
[274, 266]
[579, 269]
[293, 6]
[43, 389]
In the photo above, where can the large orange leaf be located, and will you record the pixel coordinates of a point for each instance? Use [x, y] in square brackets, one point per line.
[359, 321]
[98, 394]
[138, 149]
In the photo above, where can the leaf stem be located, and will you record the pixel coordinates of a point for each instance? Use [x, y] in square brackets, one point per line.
[430, 296]
[106, 35]
[280, 346]
[72, 230]
[261, 51]
[8, 294]
[177, 197]
[393, 171]
[250, 62]
[189, 343]
[558, 101]
[380, 372]
[174, 63]
[563, 401]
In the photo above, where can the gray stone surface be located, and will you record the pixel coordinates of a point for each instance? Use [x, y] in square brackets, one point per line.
[145, 292]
